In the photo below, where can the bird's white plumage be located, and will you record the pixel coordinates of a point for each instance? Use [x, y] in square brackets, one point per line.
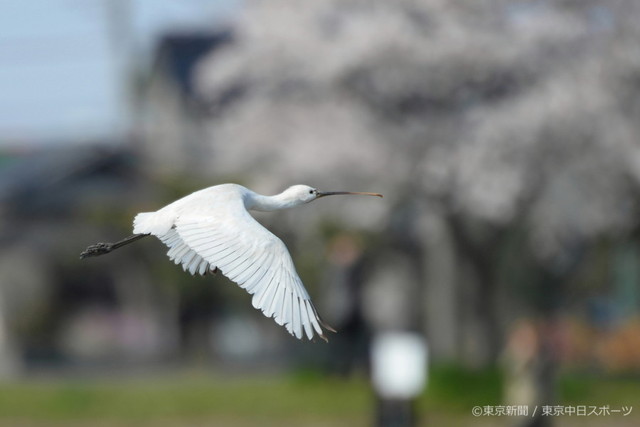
[212, 229]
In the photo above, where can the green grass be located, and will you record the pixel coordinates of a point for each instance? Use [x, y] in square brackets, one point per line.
[204, 398]
[192, 399]
[595, 390]
[460, 389]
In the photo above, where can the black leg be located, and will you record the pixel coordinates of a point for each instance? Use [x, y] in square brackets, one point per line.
[105, 248]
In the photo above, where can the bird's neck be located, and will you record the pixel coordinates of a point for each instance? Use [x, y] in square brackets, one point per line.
[258, 202]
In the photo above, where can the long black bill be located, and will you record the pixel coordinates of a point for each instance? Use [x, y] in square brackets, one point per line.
[336, 193]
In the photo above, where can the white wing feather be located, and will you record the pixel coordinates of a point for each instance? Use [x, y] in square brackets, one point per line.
[229, 238]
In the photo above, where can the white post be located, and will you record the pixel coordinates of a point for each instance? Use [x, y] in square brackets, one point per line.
[399, 375]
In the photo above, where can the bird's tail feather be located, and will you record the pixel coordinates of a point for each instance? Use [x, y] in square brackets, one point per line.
[152, 223]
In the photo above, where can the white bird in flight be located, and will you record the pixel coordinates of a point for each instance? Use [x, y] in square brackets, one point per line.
[212, 230]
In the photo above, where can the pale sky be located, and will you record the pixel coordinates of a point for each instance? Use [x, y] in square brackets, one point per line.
[62, 61]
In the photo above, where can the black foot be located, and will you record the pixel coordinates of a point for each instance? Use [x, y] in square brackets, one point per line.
[97, 249]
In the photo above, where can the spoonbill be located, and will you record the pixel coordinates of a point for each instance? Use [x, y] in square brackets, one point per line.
[211, 230]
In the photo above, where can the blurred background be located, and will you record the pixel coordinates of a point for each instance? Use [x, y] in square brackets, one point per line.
[504, 135]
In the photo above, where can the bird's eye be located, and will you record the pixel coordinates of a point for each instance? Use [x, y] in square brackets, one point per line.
[310, 191]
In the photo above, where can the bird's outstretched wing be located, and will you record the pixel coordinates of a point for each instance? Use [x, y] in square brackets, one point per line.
[250, 255]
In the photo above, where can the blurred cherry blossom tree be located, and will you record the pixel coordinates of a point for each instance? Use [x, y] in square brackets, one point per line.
[501, 111]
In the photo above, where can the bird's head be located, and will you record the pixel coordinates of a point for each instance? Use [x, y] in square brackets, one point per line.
[307, 194]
